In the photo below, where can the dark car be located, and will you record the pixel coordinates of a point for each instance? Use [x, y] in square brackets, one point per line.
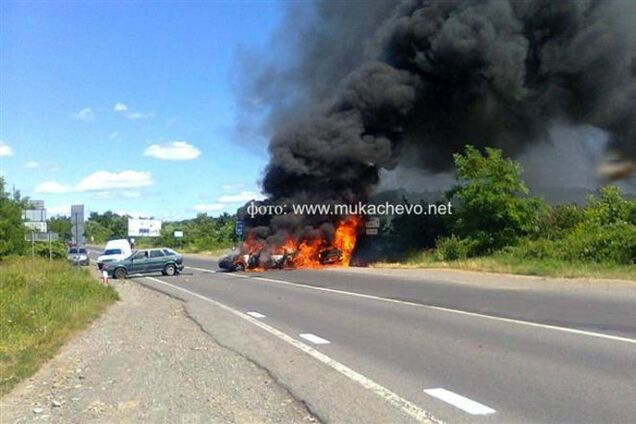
[163, 260]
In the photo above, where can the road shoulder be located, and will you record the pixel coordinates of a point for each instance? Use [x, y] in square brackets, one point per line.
[146, 360]
[487, 279]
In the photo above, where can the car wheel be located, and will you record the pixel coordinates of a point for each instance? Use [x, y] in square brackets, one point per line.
[170, 270]
[239, 268]
[120, 273]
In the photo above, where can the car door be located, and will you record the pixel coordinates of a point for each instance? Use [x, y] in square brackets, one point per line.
[139, 262]
[156, 261]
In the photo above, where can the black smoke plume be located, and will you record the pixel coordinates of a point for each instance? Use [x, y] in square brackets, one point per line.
[373, 84]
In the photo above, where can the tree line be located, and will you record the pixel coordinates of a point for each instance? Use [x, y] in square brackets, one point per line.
[495, 213]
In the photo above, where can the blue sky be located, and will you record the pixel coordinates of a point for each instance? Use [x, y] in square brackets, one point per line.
[100, 99]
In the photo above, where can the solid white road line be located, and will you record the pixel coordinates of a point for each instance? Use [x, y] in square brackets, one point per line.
[449, 310]
[256, 314]
[461, 402]
[392, 398]
[314, 339]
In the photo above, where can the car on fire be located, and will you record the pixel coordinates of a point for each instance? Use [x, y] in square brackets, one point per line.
[146, 261]
[236, 261]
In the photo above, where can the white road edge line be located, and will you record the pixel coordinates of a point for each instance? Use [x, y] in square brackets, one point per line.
[392, 398]
[461, 402]
[314, 339]
[449, 310]
[256, 314]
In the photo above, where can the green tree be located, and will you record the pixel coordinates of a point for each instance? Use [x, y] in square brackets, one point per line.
[62, 226]
[492, 205]
[12, 228]
[109, 225]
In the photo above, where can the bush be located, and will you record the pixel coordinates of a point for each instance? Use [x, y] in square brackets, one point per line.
[611, 207]
[612, 244]
[453, 248]
[12, 230]
[560, 220]
[493, 210]
[58, 249]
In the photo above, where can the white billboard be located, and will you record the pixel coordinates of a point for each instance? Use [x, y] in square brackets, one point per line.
[144, 227]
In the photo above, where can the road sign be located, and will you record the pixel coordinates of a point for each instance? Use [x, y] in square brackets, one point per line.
[144, 227]
[77, 222]
[178, 234]
[373, 222]
[239, 228]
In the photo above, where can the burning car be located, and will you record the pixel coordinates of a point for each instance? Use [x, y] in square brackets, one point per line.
[256, 254]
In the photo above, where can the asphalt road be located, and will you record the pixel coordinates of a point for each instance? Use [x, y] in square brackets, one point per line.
[463, 352]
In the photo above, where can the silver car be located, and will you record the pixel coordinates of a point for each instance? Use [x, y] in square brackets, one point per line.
[78, 256]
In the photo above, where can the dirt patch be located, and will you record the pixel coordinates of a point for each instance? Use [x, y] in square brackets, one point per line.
[145, 360]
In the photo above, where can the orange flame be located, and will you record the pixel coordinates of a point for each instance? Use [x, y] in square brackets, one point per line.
[309, 253]
[345, 238]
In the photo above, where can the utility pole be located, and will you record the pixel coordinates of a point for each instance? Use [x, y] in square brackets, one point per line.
[77, 243]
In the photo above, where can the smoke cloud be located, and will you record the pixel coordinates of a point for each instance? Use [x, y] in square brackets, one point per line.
[365, 86]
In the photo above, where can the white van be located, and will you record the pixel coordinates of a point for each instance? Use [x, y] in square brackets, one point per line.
[115, 250]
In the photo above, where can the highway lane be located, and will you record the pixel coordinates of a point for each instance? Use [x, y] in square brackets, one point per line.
[596, 307]
[521, 373]
[524, 374]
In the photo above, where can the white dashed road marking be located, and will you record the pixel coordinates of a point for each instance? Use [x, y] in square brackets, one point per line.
[459, 401]
[449, 310]
[390, 397]
[256, 314]
[314, 339]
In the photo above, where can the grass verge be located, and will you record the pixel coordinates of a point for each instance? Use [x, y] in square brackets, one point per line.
[42, 304]
[506, 263]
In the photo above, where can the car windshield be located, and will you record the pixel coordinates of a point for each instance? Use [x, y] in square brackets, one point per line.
[112, 252]
[82, 251]
[72, 251]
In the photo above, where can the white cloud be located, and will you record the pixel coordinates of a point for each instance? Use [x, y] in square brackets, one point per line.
[113, 135]
[241, 197]
[120, 107]
[51, 187]
[105, 180]
[32, 164]
[85, 114]
[102, 182]
[134, 116]
[213, 207]
[176, 150]
[5, 149]
[232, 186]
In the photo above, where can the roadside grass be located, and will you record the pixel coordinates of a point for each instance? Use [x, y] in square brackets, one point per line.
[42, 304]
[507, 263]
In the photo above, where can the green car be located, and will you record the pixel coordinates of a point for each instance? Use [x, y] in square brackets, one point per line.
[146, 261]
